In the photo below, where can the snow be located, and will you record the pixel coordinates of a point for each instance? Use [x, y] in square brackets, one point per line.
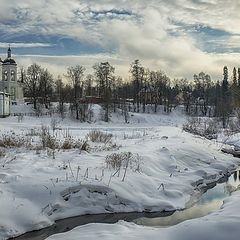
[220, 225]
[36, 190]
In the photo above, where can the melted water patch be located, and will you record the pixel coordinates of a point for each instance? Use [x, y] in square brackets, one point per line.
[209, 201]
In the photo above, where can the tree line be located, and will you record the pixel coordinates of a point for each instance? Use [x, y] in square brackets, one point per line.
[200, 96]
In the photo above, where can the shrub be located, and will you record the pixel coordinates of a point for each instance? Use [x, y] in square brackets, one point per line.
[70, 143]
[98, 136]
[2, 153]
[13, 140]
[207, 128]
[47, 139]
[116, 160]
[123, 159]
[85, 146]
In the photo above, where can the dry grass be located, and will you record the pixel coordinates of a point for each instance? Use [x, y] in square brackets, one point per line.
[47, 140]
[207, 128]
[2, 153]
[118, 160]
[13, 140]
[98, 136]
[70, 143]
[123, 159]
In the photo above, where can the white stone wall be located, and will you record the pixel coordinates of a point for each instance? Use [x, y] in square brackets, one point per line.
[4, 105]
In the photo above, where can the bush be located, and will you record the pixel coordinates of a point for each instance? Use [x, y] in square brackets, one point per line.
[116, 160]
[13, 140]
[98, 136]
[85, 146]
[47, 139]
[2, 153]
[124, 159]
[207, 128]
[70, 143]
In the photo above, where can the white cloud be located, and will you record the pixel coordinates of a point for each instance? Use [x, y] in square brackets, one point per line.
[24, 45]
[58, 64]
[143, 35]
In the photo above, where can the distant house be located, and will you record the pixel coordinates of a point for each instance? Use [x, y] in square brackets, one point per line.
[9, 82]
[4, 104]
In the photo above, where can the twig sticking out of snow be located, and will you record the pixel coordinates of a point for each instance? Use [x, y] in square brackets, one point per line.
[70, 168]
[161, 185]
[125, 170]
[110, 180]
[52, 182]
[86, 173]
[78, 169]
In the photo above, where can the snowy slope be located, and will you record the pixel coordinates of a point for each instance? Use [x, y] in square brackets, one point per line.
[36, 189]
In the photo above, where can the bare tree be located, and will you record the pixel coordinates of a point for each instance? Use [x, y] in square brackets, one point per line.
[75, 74]
[32, 83]
[104, 77]
[63, 94]
[46, 87]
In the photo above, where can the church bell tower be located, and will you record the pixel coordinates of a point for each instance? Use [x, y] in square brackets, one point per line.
[9, 83]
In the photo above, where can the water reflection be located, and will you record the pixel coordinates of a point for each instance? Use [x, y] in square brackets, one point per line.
[235, 176]
[180, 216]
[210, 201]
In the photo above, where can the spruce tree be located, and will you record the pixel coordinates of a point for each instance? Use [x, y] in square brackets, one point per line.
[225, 111]
[234, 76]
[239, 77]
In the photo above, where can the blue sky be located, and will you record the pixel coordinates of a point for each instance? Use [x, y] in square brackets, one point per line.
[180, 37]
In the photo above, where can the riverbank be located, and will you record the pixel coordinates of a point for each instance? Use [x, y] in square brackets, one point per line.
[209, 199]
[219, 225]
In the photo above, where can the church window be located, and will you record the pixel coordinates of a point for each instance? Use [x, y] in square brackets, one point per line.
[12, 75]
[6, 75]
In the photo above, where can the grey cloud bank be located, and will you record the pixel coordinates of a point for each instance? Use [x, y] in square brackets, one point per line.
[120, 31]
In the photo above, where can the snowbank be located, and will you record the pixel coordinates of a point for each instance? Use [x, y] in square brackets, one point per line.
[220, 225]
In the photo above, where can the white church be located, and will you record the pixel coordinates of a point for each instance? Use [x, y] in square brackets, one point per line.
[11, 91]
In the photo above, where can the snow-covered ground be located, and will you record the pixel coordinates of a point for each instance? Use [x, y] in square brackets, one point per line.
[220, 225]
[167, 166]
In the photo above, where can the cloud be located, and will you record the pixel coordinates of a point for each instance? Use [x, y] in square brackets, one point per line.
[24, 45]
[181, 37]
[58, 64]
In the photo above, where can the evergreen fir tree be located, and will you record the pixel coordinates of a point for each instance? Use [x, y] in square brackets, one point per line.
[239, 77]
[234, 76]
[225, 82]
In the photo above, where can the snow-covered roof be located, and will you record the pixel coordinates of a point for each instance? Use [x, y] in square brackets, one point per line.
[9, 61]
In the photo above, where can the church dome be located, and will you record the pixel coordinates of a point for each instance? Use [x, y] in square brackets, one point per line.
[9, 59]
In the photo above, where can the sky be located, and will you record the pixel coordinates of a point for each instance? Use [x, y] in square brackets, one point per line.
[179, 37]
